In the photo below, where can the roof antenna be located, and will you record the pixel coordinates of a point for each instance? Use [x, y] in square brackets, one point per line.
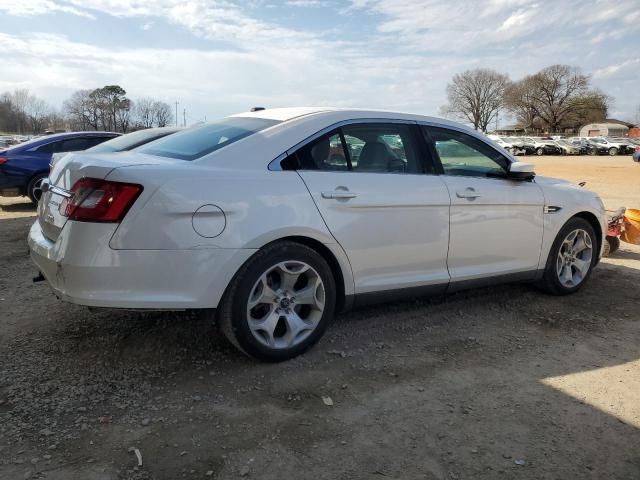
[257, 109]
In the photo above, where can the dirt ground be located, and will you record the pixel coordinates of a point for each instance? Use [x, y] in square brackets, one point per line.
[503, 382]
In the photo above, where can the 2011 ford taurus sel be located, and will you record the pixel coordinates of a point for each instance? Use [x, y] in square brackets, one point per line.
[274, 220]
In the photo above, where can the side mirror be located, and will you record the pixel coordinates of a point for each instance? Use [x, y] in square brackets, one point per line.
[521, 171]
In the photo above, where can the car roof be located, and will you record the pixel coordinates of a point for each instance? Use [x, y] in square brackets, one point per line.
[44, 139]
[77, 134]
[286, 114]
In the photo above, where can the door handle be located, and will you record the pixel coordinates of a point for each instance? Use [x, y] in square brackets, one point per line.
[469, 193]
[339, 195]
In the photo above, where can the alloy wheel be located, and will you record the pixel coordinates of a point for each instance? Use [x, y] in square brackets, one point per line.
[574, 258]
[286, 304]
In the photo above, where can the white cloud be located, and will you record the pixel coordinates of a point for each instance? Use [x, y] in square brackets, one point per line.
[630, 65]
[405, 52]
[39, 7]
[306, 3]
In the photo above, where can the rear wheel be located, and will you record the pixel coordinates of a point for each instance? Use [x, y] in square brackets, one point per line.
[571, 258]
[279, 303]
[613, 151]
[539, 151]
[34, 189]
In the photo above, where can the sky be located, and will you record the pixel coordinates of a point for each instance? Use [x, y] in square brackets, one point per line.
[217, 57]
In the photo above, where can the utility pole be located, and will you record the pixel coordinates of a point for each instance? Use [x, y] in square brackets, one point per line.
[177, 114]
[184, 116]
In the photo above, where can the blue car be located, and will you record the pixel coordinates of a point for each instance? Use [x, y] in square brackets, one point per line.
[23, 166]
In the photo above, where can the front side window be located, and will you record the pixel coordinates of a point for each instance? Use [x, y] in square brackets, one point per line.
[462, 154]
[196, 142]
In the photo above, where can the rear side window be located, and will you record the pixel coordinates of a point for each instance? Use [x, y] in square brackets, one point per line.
[366, 148]
[75, 144]
[326, 153]
[382, 148]
[53, 147]
[196, 142]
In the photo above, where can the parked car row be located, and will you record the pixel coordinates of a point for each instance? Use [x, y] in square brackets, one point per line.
[567, 146]
[25, 165]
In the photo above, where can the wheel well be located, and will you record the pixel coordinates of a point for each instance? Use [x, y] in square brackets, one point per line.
[32, 177]
[593, 221]
[331, 260]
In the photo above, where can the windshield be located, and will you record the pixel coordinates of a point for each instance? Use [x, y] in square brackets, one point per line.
[131, 140]
[196, 142]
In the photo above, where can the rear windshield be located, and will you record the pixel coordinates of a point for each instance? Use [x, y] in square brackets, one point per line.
[131, 140]
[196, 142]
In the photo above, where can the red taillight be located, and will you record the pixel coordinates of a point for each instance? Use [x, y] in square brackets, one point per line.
[3, 160]
[97, 200]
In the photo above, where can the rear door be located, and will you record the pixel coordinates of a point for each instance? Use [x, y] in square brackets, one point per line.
[373, 187]
[496, 223]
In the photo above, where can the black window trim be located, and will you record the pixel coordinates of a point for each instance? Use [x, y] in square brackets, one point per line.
[425, 154]
[73, 137]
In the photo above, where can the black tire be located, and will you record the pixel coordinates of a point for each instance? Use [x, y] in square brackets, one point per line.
[539, 151]
[612, 244]
[550, 281]
[32, 191]
[613, 151]
[232, 311]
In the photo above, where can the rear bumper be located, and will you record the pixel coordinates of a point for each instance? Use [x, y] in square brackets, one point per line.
[81, 268]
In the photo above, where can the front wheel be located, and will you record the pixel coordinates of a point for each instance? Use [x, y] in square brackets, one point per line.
[539, 151]
[613, 151]
[571, 259]
[279, 303]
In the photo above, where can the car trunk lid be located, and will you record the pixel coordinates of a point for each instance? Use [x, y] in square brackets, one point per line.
[71, 168]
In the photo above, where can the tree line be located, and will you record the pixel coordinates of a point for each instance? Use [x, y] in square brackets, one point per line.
[106, 108]
[554, 99]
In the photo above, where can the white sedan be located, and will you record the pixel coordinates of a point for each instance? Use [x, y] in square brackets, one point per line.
[275, 220]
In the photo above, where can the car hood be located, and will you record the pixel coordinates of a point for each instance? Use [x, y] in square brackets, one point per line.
[552, 181]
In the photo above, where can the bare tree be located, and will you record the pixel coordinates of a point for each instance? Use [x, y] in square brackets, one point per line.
[82, 111]
[162, 114]
[552, 96]
[20, 100]
[591, 107]
[144, 113]
[37, 111]
[476, 96]
[519, 101]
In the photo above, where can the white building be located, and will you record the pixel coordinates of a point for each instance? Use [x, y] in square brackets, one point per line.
[609, 128]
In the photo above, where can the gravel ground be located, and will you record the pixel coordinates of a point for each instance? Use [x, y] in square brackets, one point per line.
[502, 382]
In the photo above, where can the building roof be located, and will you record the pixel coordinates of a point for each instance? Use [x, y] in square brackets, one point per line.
[606, 124]
[620, 122]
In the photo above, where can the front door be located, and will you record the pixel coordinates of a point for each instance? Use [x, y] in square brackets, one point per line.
[496, 223]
